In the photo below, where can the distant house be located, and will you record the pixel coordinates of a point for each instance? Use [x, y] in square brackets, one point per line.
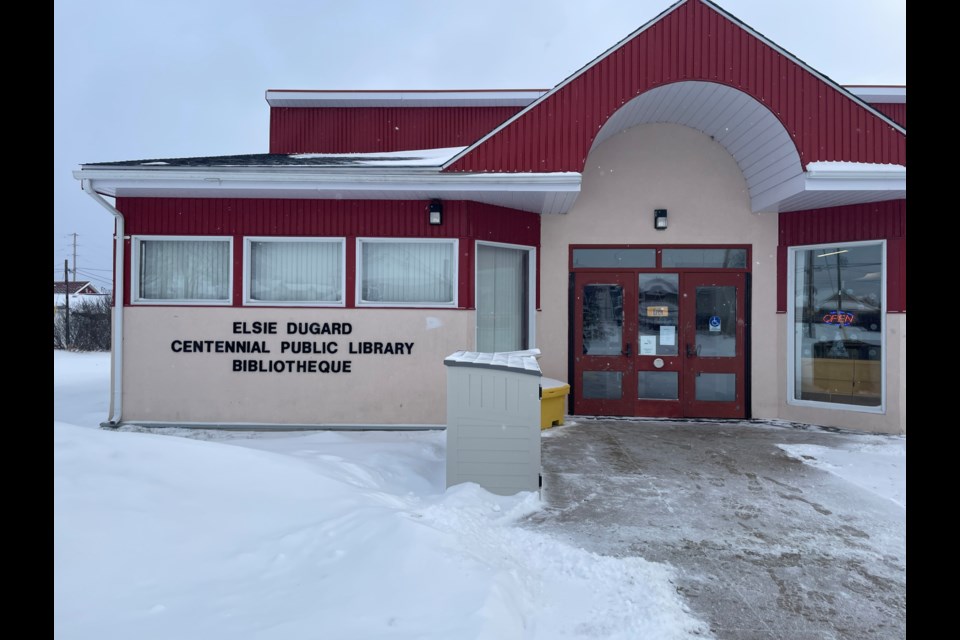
[80, 292]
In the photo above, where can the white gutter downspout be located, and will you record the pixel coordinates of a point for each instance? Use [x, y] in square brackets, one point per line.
[116, 399]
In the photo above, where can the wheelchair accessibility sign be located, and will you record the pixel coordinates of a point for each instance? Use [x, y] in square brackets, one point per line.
[714, 323]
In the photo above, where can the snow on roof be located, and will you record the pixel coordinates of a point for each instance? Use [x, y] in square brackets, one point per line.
[413, 158]
[857, 167]
[399, 159]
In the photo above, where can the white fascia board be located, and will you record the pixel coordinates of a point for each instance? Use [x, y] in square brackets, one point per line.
[863, 182]
[107, 181]
[493, 98]
[833, 177]
[880, 94]
[842, 171]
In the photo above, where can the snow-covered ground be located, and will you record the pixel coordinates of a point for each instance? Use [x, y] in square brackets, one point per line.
[209, 534]
[312, 535]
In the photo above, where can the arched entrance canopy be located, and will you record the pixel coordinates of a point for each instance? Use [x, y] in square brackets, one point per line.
[761, 145]
[758, 141]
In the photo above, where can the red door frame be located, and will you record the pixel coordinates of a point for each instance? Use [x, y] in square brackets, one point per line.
[688, 367]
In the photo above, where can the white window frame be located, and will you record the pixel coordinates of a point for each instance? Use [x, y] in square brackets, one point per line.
[135, 272]
[791, 328]
[531, 288]
[359, 301]
[247, 264]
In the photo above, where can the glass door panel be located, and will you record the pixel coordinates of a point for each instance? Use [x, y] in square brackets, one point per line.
[604, 346]
[712, 305]
[602, 319]
[716, 322]
[658, 315]
[659, 361]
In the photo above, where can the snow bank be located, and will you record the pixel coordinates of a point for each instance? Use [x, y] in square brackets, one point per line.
[876, 464]
[81, 387]
[313, 535]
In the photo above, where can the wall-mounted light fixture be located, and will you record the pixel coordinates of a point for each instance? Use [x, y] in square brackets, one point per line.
[659, 219]
[436, 212]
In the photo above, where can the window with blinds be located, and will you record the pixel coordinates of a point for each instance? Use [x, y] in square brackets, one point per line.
[182, 270]
[294, 271]
[396, 272]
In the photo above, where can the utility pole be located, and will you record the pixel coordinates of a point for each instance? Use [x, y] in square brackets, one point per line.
[66, 286]
[74, 254]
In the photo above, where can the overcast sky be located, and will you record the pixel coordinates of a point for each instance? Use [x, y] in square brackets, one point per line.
[138, 79]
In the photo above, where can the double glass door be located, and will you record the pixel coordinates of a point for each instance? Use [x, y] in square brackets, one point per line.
[667, 344]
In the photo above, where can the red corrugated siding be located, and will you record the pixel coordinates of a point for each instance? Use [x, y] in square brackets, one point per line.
[693, 42]
[851, 223]
[896, 112]
[465, 220]
[370, 129]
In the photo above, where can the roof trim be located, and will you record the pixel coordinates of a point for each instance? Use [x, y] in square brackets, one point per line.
[879, 94]
[834, 183]
[537, 192]
[402, 98]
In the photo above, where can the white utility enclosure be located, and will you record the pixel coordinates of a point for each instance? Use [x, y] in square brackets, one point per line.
[493, 420]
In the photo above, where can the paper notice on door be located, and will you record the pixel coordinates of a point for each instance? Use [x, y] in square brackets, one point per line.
[668, 335]
[648, 345]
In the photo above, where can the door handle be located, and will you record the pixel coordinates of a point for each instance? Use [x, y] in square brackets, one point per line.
[691, 353]
[627, 351]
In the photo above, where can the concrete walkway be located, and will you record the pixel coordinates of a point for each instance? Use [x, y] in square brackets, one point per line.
[765, 546]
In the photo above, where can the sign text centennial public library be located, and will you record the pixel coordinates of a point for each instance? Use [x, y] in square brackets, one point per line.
[282, 358]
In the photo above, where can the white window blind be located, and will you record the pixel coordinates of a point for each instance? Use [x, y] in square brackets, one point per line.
[184, 270]
[295, 271]
[408, 273]
[502, 298]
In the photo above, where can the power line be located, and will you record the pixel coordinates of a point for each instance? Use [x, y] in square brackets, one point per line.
[98, 279]
[94, 276]
[91, 276]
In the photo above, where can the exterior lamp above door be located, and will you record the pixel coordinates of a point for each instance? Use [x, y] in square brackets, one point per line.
[659, 219]
[436, 212]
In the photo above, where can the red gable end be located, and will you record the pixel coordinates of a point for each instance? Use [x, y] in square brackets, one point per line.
[692, 41]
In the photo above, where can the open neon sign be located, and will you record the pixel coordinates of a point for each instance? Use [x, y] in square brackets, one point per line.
[839, 318]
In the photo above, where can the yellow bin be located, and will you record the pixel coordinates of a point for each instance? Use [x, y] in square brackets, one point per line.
[551, 402]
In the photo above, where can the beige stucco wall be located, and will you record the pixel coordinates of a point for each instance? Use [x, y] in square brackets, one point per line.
[662, 166]
[894, 417]
[163, 386]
